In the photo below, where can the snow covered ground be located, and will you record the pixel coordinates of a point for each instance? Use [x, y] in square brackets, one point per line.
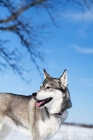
[66, 132]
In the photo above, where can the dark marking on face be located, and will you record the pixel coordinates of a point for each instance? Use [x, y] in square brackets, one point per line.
[66, 104]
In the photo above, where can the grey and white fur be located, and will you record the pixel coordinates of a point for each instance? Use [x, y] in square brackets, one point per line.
[39, 115]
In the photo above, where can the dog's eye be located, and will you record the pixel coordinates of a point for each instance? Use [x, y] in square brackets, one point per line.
[48, 87]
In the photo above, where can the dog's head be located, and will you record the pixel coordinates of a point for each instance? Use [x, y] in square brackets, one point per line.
[54, 94]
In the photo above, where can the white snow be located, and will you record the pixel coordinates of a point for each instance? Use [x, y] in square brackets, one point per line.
[66, 132]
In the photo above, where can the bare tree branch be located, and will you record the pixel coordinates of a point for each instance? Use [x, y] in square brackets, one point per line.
[30, 35]
[21, 10]
[10, 28]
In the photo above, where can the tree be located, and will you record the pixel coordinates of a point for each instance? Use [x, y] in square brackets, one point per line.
[15, 21]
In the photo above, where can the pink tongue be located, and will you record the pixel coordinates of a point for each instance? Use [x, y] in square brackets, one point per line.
[39, 103]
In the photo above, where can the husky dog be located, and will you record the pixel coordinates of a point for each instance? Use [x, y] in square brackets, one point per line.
[40, 115]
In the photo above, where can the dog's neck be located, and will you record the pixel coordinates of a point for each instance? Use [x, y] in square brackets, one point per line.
[46, 115]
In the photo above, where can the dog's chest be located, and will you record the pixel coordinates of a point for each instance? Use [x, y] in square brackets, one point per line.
[49, 127]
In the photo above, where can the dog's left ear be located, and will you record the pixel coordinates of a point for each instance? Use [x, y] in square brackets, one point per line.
[63, 79]
[46, 75]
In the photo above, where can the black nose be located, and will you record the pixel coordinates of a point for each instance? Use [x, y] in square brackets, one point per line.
[34, 94]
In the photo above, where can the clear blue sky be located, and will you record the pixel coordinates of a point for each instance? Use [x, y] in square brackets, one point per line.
[69, 47]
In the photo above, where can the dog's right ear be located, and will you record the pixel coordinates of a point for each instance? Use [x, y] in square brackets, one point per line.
[46, 75]
[64, 79]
